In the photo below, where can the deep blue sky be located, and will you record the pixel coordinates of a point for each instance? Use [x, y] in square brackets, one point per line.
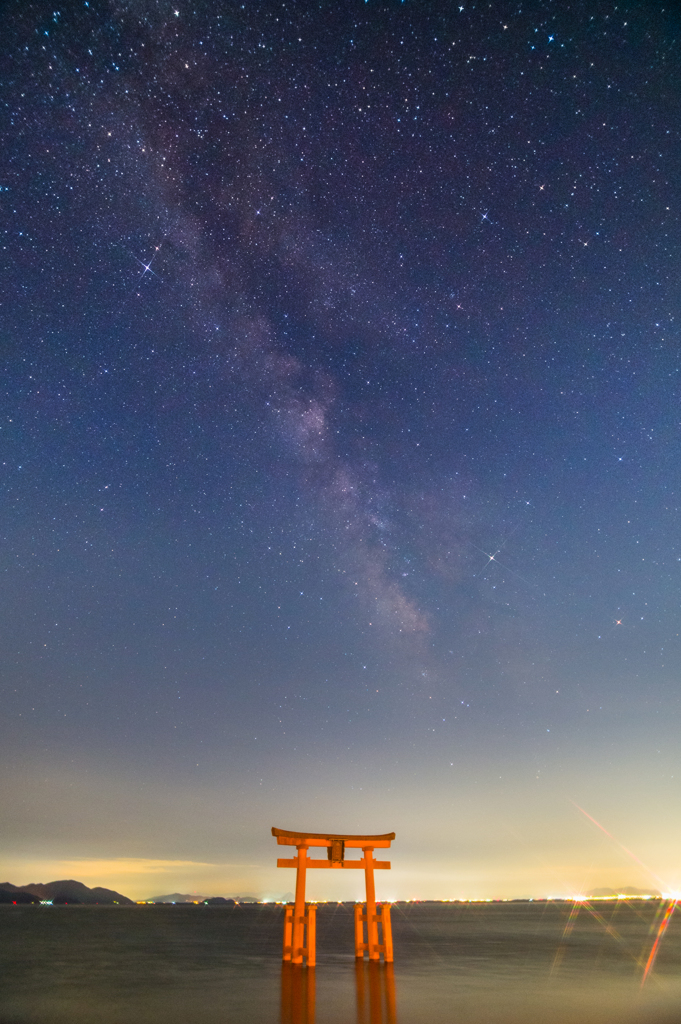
[340, 438]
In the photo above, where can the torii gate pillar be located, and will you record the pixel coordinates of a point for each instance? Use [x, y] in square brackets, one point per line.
[300, 920]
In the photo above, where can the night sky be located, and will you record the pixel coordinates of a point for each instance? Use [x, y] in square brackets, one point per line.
[340, 442]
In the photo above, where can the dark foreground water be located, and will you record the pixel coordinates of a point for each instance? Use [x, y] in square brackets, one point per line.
[509, 963]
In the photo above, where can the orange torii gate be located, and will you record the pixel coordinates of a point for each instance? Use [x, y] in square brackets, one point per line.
[300, 920]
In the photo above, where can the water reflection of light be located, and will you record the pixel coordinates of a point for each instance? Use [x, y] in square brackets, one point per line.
[374, 993]
[298, 993]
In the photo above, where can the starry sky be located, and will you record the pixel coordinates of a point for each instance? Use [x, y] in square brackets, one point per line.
[339, 438]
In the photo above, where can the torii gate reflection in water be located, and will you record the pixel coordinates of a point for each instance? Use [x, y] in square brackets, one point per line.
[374, 991]
[300, 920]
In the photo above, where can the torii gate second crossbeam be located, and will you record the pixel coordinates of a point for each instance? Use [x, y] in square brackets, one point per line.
[300, 921]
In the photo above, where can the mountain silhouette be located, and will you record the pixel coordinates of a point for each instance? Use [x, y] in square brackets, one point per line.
[69, 891]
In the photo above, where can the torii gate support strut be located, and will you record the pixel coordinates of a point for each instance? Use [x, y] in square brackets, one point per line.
[300, 920]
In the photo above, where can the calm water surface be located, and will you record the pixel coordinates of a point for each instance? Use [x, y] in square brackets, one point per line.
[512, 963]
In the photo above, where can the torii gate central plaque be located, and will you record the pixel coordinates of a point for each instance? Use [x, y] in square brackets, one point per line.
[300, 920]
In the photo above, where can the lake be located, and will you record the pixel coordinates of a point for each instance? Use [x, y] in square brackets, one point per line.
[492, 963]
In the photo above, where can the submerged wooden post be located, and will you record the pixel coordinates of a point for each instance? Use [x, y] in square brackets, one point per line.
[310, 950]
[298, 938]
[387, 929]
[288, 931]
[372, 922]
[300, 920]
[359, 930]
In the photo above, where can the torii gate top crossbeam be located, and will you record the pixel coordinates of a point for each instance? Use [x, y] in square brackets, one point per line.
[285, 838]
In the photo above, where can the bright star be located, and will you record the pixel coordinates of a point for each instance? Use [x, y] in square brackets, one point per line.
[146, 267]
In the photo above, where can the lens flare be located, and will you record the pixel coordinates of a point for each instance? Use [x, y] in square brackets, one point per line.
[633, 856]
[664, 924]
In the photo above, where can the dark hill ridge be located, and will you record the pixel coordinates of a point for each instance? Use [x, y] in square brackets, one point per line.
[177, 897]
[17, 897]
[68, 891]
[184, 897]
